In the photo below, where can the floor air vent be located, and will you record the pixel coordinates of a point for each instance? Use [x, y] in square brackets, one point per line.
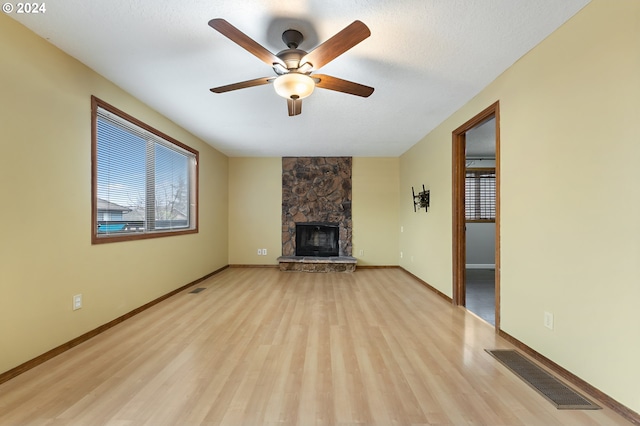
[197, 290]
[560, 395]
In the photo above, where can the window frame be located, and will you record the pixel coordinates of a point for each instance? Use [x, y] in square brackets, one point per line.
[97, 238]
[478, 171]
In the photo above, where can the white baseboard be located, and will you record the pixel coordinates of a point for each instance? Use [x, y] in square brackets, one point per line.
[480, 266]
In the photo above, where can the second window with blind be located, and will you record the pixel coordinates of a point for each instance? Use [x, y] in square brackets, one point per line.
[480, 194]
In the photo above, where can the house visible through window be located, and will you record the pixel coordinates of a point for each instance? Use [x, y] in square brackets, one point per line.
[144, 182]
[480, 195]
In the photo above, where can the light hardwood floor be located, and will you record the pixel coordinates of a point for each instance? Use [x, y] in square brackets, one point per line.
[263, 347]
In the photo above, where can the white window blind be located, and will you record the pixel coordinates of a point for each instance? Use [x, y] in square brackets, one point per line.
[144, 184]
[480, 195]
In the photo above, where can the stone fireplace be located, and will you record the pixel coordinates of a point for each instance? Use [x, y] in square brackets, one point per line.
[316, 209]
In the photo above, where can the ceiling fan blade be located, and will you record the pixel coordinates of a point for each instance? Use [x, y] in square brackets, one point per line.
[340, 85]
[244, 41]
[295, 107]
[243, 84]
[337, 45]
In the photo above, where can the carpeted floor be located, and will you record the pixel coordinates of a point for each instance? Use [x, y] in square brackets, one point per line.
[481, 296]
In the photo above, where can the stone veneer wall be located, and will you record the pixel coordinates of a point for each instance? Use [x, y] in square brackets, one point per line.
[316, 189]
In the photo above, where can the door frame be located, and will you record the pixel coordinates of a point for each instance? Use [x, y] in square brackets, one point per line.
[459, 241]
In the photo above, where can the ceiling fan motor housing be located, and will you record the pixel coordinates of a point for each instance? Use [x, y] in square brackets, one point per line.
[291, 58]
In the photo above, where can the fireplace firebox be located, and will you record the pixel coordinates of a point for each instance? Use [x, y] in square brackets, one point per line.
[317, 239]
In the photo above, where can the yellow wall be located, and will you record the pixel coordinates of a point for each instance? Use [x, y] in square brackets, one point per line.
[569, 197]
[425, 237]
[255, 206]
[375, 183]
[46, 254]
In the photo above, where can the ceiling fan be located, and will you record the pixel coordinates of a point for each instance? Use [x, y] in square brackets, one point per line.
[294, 67]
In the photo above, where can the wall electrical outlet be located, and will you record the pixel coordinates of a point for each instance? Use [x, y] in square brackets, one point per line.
[259, 252]
[361, 252]
[77, 302]
[264, 252]
[548, 320]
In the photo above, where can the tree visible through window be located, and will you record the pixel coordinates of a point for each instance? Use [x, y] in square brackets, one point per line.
[480, 195]
[144, 182]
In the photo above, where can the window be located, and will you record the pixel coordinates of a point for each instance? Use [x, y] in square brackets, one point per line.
[144, 183]
[480, 195]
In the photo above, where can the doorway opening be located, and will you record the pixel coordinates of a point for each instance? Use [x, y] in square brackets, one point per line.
[476, 215]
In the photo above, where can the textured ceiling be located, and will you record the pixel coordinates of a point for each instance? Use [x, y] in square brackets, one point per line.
[425, 59]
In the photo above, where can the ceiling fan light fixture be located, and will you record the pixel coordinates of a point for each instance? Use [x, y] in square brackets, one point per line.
[294, 85]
